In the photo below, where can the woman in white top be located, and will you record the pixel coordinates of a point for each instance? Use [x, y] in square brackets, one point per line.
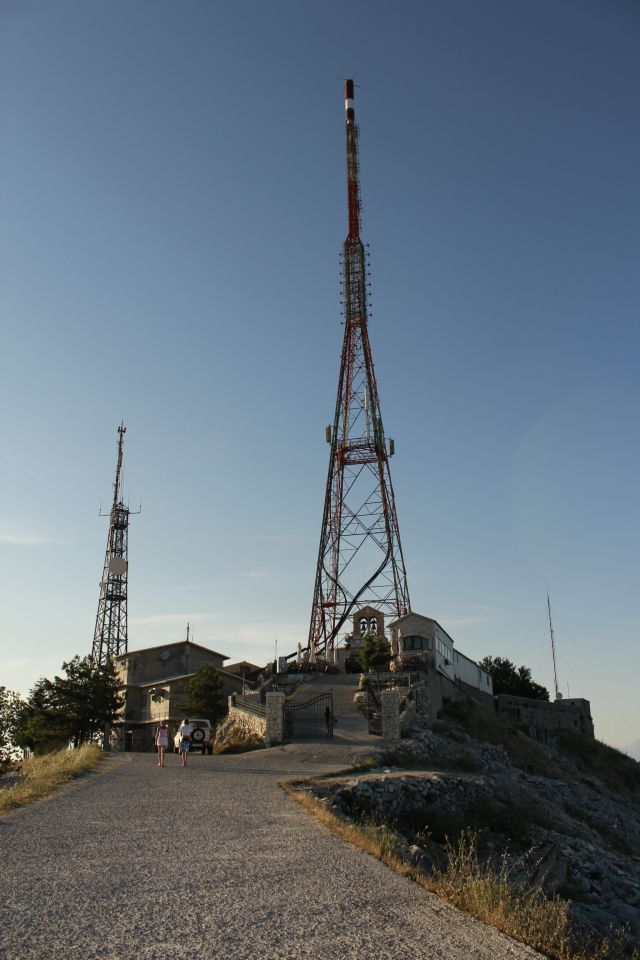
[185, 741]
[162, 741]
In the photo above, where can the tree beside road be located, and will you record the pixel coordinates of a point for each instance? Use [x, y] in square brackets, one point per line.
[76, 706]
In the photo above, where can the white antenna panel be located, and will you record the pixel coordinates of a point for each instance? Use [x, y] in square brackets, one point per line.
[118, 566]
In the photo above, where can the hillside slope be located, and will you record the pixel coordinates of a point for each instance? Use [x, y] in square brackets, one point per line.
[566, 817]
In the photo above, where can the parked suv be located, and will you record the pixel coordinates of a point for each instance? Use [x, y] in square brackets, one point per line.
[201, 737]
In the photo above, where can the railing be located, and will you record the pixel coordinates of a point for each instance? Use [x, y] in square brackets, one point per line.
[414, 663]
[249, 705]
[391, 681]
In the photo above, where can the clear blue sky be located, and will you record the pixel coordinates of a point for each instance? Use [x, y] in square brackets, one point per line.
[173, 204]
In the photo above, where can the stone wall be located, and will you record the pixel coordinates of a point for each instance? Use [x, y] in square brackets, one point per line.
[417, 714]
[247, 724]
[442, 691]
[542, 717]
[480, 696]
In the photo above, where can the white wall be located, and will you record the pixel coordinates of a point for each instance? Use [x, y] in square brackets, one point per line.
[469, 672]
[444, 653]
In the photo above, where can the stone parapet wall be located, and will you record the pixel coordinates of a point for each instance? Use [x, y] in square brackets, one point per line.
[543, 716]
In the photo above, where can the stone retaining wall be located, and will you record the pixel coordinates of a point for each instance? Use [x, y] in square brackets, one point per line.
[247, 724]
[543, 717]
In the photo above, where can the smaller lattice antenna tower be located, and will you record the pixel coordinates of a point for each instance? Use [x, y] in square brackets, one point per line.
[110, 635]
[558, 695]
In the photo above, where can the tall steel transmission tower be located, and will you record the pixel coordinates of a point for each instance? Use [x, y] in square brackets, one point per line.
[110, 635]
[360, 558]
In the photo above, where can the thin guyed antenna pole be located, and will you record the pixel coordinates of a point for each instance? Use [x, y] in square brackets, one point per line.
[553, 650]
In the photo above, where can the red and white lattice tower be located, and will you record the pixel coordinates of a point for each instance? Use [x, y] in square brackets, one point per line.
[360, 560]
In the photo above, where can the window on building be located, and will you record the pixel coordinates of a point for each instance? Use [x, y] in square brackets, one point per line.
[373, 626]
[363, 627]
[413, 643]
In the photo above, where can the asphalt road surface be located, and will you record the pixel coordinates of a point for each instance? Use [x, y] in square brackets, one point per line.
[133, 862]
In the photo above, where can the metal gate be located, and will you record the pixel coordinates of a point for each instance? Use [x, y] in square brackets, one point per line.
[374, 712]
[307, 718]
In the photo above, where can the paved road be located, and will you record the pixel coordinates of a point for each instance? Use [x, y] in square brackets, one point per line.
[213, 861]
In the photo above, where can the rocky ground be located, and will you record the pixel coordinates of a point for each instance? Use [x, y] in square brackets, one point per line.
[567, 830]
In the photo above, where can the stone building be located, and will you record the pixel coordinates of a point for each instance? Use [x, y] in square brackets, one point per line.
[153, 682]
[414, 636]
[542, 718]
[419, 641]
[245, 668]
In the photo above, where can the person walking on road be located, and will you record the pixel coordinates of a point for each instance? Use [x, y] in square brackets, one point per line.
[162, 741]
[185, 740]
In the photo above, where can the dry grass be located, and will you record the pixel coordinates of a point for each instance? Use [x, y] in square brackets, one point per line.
[524, 913]
[486, 892]
[238, 744]
[41, 776]
[482, 890]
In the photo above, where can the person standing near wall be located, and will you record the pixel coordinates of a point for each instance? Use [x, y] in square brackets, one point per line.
[162, 741]
[185, 740]
[329, 719]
